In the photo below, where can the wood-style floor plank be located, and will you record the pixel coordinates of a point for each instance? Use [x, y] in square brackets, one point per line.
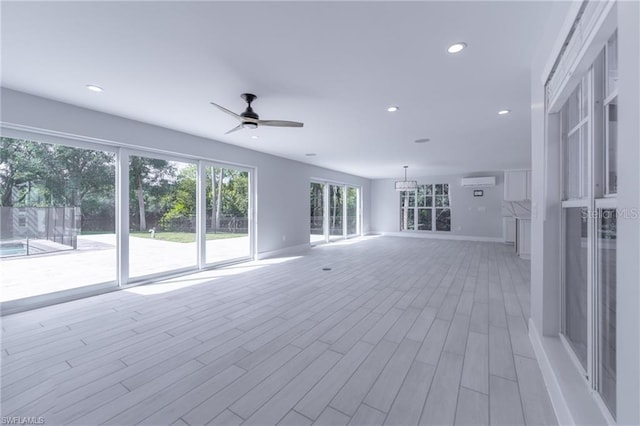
[401, 331]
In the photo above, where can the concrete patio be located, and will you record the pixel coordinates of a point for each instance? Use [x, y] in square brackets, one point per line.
[94, 262]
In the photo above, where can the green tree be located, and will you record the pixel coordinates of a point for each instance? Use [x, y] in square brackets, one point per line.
[75, 172]
[236, 199]
[151, 174]
[181, 201]
[20, 167]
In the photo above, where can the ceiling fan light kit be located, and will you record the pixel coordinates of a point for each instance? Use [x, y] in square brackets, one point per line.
[406, 185]
[249, 119]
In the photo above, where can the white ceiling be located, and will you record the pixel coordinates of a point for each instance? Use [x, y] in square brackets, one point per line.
[335, 66]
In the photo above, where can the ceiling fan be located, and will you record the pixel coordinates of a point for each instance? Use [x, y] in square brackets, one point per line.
[250, 120]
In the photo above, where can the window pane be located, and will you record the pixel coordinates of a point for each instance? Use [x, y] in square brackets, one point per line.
[584, 159]
[442, 201]
[316, 200]
[336, 200]
[606, 253]
[612, 64]
[573, 109]
[584, 98]
[406, 211]
[57, 202]
[443, 220]
[411, 219]
[162, 216]
[571, 165]
[352, 210]
[575, 281]
[428, 192]
[612, 147]
[227, 221]
[421, 200]
[424, 219]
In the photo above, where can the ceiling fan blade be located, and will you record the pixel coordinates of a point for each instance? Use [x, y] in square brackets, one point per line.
[235, 129]
[280, 123]
[231, 113]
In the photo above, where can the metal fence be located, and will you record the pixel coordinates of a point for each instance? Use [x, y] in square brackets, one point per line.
[36, 228]
[227, 224]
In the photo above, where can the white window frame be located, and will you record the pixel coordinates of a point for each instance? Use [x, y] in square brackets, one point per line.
[597, 173]
[433, 208]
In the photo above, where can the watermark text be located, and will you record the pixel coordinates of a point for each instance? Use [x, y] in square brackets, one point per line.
[23, 420]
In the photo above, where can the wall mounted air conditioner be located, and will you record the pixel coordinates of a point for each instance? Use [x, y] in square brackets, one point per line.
[478, 182]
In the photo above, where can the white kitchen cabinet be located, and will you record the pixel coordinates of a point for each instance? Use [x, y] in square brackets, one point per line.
[523, 238]
[509, 229]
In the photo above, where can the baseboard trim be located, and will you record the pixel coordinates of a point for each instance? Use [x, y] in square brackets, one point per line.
[287, 251]
[553, 387]
[573, 401]
[442, 236]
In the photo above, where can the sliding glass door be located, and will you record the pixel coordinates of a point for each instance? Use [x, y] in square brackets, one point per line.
[335, 212]
[317, 216]
[70, 209]
[162, 216]
[353, 208]
[228, 218]
[57, 218]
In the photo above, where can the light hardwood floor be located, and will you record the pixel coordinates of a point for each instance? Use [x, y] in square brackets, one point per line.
[400, 331]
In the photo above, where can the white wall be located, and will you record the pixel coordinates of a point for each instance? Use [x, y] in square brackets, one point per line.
[282, 184]
[474, 217]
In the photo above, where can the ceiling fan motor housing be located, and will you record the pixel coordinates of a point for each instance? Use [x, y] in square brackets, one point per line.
[249, 113]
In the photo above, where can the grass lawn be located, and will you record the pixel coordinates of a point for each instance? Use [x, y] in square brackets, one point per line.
[183, 237]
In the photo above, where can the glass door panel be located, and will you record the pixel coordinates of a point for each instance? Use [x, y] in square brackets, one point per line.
[57, 218]
[228, 219]
[336, 206]
[316, 217]
[353, 211]
[162, 216]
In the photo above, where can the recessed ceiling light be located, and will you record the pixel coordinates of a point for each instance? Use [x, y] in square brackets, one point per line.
[254, 137]
[311, 154]
[457, 47]
[95, 88]
[423, 140]
[392, 108]
[504, 111]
